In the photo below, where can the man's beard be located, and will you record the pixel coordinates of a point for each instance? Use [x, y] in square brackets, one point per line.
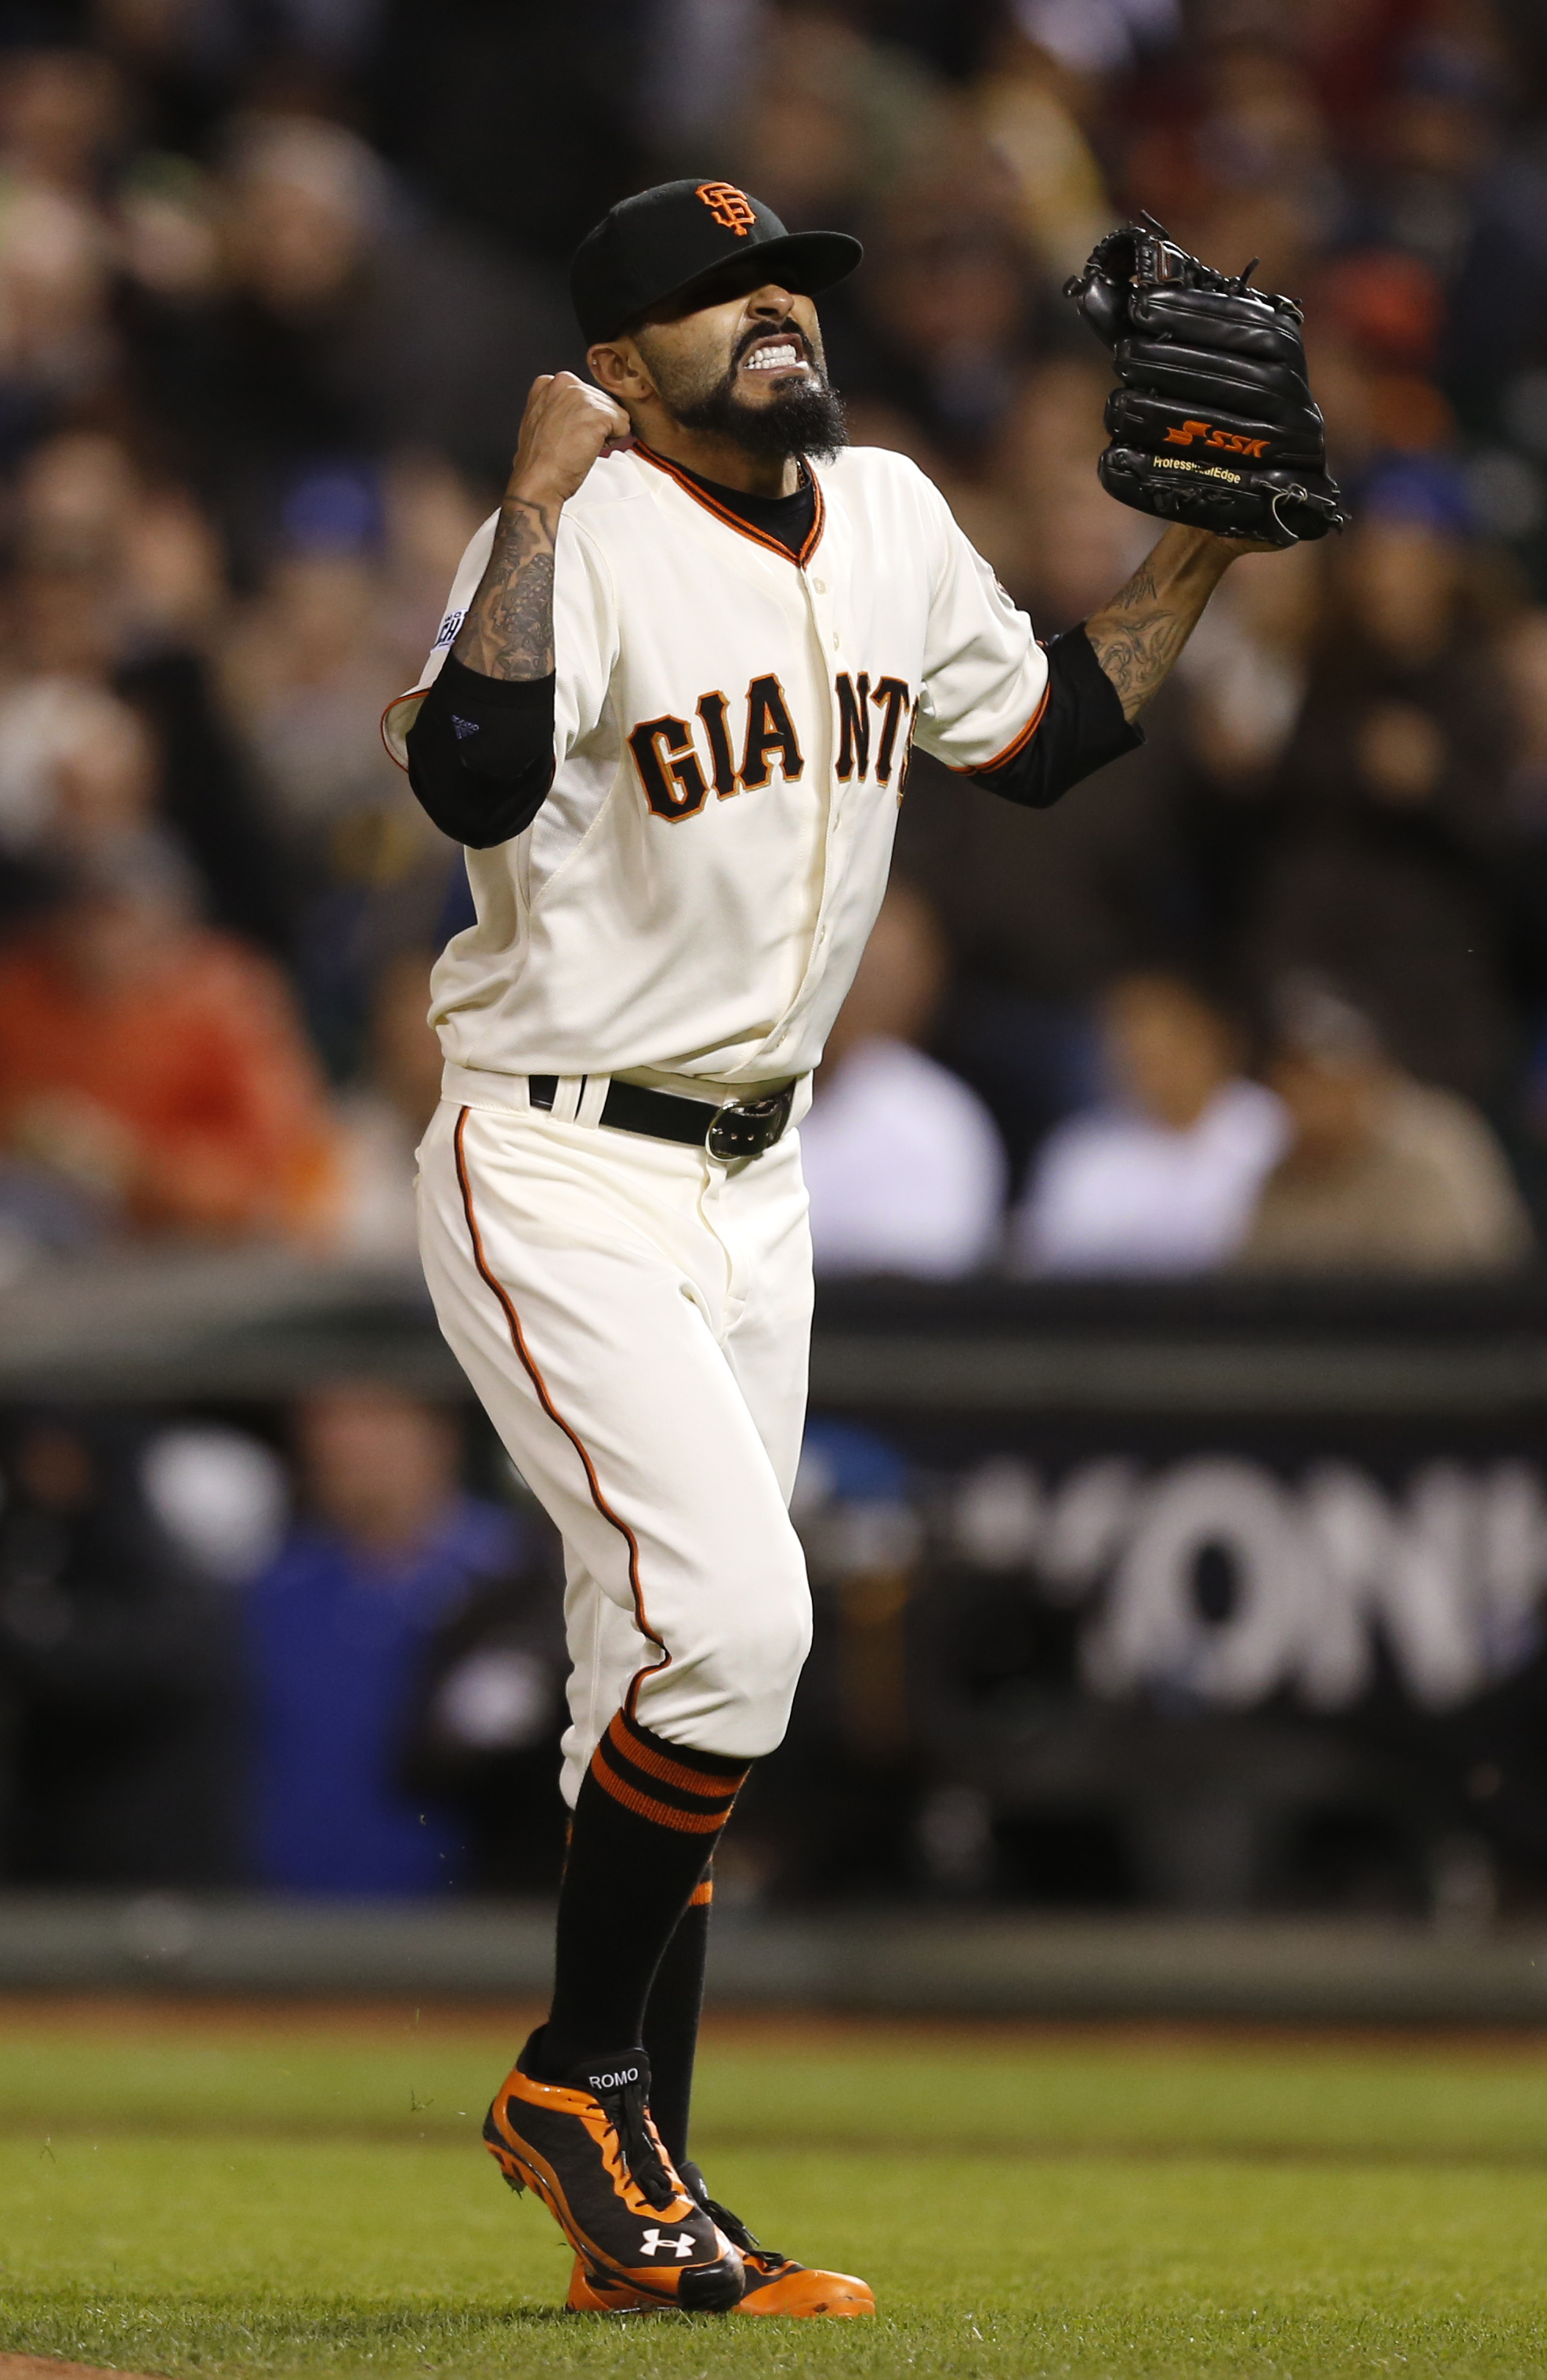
[803, 417]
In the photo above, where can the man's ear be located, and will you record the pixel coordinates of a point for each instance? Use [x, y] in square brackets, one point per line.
[617, 365]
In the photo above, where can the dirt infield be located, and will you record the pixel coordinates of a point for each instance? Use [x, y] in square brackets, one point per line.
[43, 2367]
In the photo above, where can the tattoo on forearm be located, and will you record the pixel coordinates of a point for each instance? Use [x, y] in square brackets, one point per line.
[1138, 636]
[509, 629]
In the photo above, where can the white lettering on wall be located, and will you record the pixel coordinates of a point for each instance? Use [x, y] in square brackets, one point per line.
[1220, 1579]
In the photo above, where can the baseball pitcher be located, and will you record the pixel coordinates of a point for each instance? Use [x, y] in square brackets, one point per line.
[669, 714]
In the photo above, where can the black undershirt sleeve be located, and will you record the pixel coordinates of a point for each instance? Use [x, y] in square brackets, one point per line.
[1081, 729]
[481, 753]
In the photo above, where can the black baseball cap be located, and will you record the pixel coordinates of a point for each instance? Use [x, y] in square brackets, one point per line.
[663, 243]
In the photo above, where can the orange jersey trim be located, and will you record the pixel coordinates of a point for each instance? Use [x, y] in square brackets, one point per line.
[771, 544]
[981, 767]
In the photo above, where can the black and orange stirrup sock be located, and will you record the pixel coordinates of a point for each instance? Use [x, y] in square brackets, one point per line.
[671, 2015]
[646, 1821]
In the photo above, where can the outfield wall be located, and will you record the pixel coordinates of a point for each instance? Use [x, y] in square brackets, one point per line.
[1216, 1599]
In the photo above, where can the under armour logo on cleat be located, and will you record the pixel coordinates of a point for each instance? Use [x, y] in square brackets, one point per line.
[462, 728]
[652, 2244]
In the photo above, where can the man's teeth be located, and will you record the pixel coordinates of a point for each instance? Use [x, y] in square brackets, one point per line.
[772, 359]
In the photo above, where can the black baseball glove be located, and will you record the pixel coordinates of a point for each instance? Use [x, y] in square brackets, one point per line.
[1213, 423]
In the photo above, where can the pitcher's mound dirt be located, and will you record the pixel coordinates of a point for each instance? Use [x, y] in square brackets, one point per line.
[43, 2367]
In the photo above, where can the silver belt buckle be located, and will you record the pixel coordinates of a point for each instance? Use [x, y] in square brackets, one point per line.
[737, 1131]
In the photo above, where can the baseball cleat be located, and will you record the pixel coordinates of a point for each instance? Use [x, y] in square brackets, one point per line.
[775, 2284]
[587, 2148]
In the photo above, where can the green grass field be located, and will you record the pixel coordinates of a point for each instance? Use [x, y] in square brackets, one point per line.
[192, 2191]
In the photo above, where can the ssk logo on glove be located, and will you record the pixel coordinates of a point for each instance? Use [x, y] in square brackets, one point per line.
[1228, 439]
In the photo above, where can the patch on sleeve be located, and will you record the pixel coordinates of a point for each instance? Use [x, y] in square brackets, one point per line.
[449, 627]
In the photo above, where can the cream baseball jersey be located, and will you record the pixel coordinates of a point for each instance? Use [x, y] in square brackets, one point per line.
[732, 732]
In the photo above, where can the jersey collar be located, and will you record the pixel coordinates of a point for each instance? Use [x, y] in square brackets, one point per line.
[741, 527]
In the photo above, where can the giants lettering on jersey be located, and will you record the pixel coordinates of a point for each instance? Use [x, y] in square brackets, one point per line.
[701, 676]
[854, 699]
[670, 767]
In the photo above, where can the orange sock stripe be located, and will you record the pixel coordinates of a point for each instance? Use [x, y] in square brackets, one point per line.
[672, 1772]
[703, 1894]
[689, 1806]
[659, 1814]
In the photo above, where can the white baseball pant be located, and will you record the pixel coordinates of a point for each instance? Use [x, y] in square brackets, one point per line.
[636, 1317]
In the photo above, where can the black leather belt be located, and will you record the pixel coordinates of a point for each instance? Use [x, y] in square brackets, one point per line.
[726, 1132]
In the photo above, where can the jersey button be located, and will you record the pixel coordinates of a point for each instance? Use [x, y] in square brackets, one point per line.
[835, 644]
[820, 584]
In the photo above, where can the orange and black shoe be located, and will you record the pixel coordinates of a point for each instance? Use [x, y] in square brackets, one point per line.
[587, 2148]
[775, 2284]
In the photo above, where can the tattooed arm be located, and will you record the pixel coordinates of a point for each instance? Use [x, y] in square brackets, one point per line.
[1137, 637]
[481, 751]
[1101, 675]
[509, 629]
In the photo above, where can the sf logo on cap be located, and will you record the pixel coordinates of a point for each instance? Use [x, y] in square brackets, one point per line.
[730, 207]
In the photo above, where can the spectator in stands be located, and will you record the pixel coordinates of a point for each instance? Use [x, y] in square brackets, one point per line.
[364, 1616]
[76, 771]
[830, 121]
[84, 501]
[350, 327]
[303, 671]
[156, 1065]
[61, 115]
[303, 668]
[947, 302]
[1382, 1173]
[120, 586]
[1245, 680]
[483, 1736]
[1162, 1177]
[61, 118]
[1027, 102]
[902, 1162]
[119, 1672]
[57, 348]
[1384, 856]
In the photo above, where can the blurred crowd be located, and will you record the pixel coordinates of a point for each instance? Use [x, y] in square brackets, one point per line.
[310, 1661]
[1270, 991]
[319, 1651]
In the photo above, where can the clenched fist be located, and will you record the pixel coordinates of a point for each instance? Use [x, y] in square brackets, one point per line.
[566, 426]
[509, 629]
